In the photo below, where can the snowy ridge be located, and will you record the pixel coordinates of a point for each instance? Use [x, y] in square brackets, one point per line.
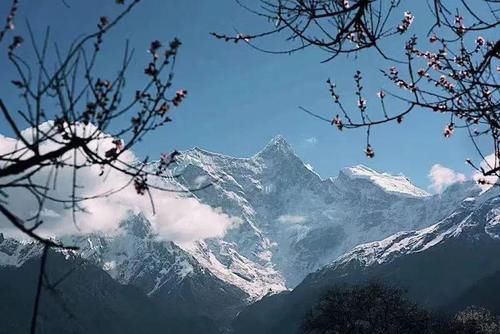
[397, 245]
[129, 259]
[294, 221]
[387, 182]
[137, 257]
[15, 253]
[468, 221]
[254, 279]
[291, 223]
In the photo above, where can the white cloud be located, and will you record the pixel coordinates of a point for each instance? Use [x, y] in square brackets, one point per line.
[47, 213]
[312, 140]
[441, 177]
[291, 219]
[178, 218]
[487, 164]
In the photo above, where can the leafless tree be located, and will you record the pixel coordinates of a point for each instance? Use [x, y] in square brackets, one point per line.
[375, 308]
[453, 71]
[372, 308]
[77, 119]
[475, 320]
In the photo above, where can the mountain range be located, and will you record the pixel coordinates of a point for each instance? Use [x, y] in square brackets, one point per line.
[444, 267]
[296, 230]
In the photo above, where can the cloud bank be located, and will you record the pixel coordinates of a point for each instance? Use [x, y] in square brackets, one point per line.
[487, 164]
[178, 218]
[442, 177]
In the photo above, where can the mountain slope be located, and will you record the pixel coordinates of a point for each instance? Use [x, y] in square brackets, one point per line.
[87, 301]
[293, 222]
[482, 293]
[165, 275]
[436, 265]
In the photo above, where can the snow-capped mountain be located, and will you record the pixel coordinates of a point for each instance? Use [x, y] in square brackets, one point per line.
[399, 185]
[291, 222]
[135, 257]
[438, 266]
[474, 219]
[15, 253]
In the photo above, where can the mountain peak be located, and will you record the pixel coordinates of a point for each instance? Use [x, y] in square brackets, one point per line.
[137, 225]
[277, 145]
[279, 142]
[389, 183]
[278, 139]
[358, 170]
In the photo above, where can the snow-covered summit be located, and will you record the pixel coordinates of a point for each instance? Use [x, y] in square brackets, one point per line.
[291, 220]
[274, 188]
[276, 147]
[389, 183]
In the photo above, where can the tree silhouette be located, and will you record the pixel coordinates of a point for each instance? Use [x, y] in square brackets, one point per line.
[375, 308]
[77, 119]
[372, 308]
[474, 320]
[453, 71]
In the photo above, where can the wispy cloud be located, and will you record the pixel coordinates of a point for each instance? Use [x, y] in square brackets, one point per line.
[442, 177]
[311, 140]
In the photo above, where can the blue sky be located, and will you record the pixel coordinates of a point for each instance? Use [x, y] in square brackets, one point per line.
[240, 98]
